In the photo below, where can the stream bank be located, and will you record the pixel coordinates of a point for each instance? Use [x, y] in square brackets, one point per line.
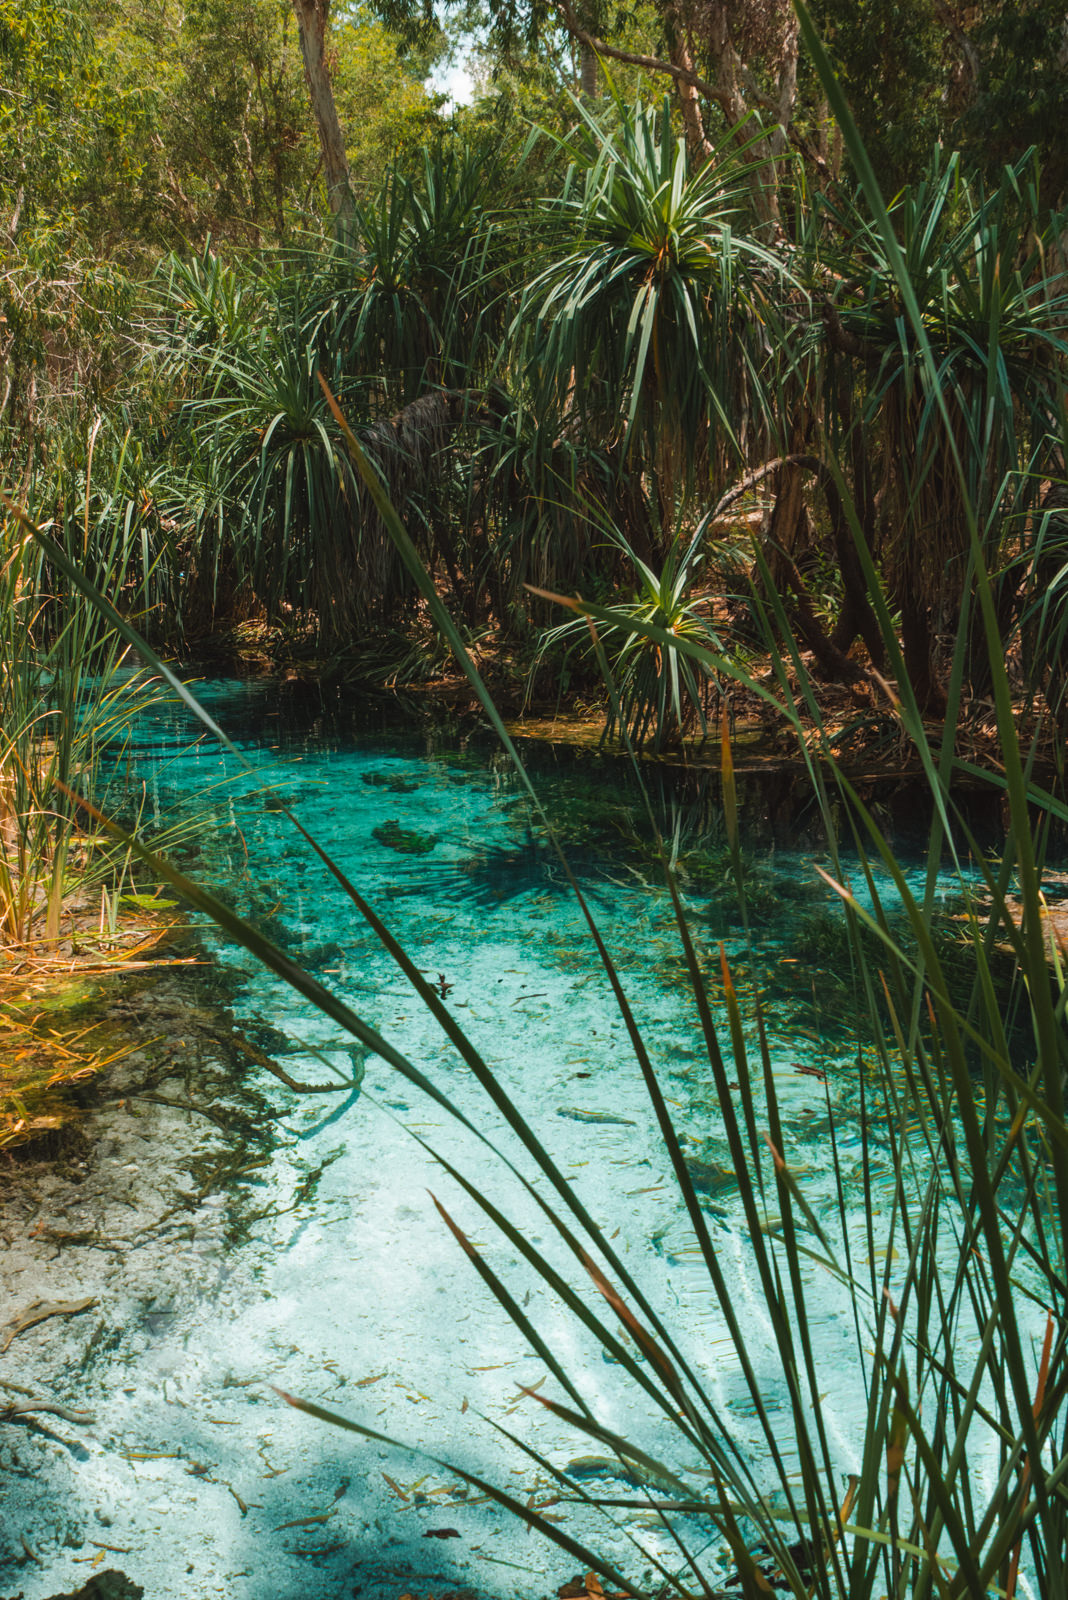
[155, 1163]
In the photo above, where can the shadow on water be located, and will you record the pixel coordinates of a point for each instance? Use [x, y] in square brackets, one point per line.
[495, 874]
[776, 802]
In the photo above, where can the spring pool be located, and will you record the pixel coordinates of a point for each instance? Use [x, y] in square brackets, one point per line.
[346, 1288]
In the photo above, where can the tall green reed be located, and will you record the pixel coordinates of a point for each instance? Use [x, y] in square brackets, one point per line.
[949, 1271]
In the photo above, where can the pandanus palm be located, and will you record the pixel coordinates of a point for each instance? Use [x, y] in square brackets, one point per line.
[638, 331]
[996, 329]
[659, 695]
[424, 289]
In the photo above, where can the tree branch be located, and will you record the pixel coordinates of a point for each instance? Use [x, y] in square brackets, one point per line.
[843, 339]
[693, 80]
[633, 59]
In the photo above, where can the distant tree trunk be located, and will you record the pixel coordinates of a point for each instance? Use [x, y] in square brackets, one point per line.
[735, 85]
[589, 76]
[312, 17]
[589, 66]
[697, 141]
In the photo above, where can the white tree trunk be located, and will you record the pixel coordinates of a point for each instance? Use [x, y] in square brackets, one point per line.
[312, 17]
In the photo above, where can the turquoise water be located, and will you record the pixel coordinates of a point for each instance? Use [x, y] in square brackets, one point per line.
[350, 1291]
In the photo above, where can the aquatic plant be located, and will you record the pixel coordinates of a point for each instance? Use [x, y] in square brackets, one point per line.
[406, 841]
[389, 780]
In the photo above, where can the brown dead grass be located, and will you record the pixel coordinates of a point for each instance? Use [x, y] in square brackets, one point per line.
[55, 1033]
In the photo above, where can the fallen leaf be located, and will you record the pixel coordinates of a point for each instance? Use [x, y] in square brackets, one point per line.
[40, 1311]
[305, 1522]
[583, 1586]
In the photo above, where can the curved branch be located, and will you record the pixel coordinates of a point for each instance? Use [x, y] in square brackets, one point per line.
[693, 80]
[633, 58]
[850, 344]
[806, 462]
[857, 615]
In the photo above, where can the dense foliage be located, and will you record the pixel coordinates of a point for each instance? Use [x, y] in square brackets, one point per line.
[579, 353]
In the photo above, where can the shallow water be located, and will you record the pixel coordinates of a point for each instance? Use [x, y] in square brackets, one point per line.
[349, 1290]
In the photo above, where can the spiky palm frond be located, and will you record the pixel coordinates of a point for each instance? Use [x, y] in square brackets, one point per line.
[658, 695]
[640, 326]
[994, 323]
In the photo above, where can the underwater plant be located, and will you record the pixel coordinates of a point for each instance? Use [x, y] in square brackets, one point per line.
[406, 841]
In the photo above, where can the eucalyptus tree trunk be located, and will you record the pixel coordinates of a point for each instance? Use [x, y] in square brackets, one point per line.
[589, 66]
[693, 121]
[312, 17]
[589, 75]
[738, 96]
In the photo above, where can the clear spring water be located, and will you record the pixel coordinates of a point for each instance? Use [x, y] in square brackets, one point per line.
[349, 1291]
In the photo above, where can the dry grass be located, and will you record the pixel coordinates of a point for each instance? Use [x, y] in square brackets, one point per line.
[56, 1036]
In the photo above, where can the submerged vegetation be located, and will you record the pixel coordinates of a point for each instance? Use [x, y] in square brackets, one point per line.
[789, 452]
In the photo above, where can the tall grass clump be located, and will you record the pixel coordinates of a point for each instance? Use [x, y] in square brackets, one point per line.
[917, 1296]
[956, 417]
[67, 692]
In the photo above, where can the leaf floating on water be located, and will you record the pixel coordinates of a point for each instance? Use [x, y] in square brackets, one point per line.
[587, 1586]
[576, 1114]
